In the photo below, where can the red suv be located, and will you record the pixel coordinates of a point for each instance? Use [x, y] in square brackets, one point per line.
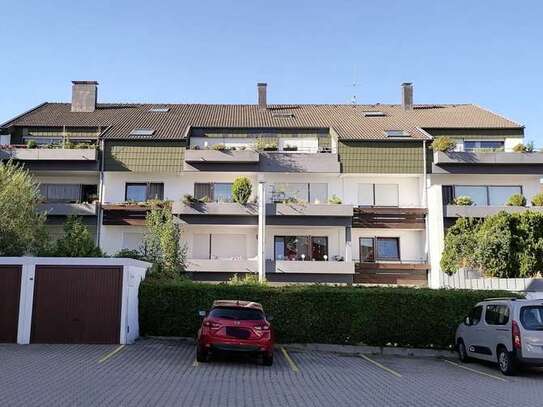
[233, 325]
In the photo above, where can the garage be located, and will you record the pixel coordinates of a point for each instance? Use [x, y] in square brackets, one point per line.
[70, 300]
[10, 292]
[76, 304]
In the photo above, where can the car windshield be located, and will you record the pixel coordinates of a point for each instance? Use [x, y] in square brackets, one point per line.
[238, 314]
[532, 317]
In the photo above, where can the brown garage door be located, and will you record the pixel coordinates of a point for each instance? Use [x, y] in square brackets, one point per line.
[75, 304]
[10, 291]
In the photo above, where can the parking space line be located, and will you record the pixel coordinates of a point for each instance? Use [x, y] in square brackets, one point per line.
[289, 360]
[195, 363]
[110, 354]
[475, 370]
[392, 372]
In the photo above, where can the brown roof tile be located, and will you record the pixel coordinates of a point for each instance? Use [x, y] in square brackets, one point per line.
[348, 121]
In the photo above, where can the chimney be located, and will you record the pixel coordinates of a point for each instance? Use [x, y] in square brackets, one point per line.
[262, 103]
[84, 96]
[407, 96]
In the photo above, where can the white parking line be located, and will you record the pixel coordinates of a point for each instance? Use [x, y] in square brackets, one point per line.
[475, 371]
[392, 372]
[106, 357]
[289, 360]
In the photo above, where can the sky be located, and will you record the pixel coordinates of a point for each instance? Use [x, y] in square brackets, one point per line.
[487, 52]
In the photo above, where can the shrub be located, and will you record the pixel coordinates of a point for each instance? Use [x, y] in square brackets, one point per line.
[335, 200]
[537, 199]
[460, 244]
[241, 190]
[76, 242]
[463, 201]
[516, 200]
[318, 314]
[443, 144]
[31, 144]
[130, 254]
[249, 279]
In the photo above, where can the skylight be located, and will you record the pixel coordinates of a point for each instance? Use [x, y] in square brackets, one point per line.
[159, 109]
[287, 115]
[142, 132]
[396, 133]
[373, 113]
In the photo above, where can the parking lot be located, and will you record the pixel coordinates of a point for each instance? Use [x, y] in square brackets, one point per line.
[164, 372]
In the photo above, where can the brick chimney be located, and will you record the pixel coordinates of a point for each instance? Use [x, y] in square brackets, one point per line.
[84, 96]
[407, 96]
[262, 95]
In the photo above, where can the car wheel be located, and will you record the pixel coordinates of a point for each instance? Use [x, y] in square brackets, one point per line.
[506, 362]
[267, 360]
[202, 355]
[462, 352]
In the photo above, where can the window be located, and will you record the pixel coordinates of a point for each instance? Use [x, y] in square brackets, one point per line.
[378, 194]
[308, 192]
[301, 248]
[532, 317]
[396, 133]
[215, 192]
[475, 315]
[497, 314]
[494, 195]
[476, 145]
[142, 132]
[140, 192]
[367, 251]
[61, 192]
[237, 314]
[379, 248]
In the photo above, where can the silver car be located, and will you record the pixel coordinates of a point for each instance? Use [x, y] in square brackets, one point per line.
[508, 331]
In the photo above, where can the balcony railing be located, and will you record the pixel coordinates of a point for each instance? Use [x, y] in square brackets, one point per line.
[401, 272]
[472, 157]
[46, 154]
[221, 156]
[221, 266]
[65, 209]
[385, 217]
[310, 267]
[475, 211]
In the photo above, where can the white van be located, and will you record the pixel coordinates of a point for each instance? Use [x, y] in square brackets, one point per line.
[508, 331]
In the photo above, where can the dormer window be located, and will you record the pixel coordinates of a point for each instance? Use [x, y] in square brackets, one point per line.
[396, 133]
[373, 113]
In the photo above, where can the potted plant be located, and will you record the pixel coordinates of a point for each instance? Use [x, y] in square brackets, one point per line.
[31, 144]
[524, 148]
[290, 148]
[516, 200]
[443, 144]
[334, 200]
[241, 190]
[537, 199]
[219, 147]
[463, 200]
[270, 147]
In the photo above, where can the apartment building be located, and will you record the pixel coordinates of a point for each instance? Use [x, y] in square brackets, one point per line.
[340, 193]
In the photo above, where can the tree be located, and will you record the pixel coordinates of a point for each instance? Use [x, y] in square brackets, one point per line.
[22, 227]
[76, 242]
[460, 244]
[241, 190]
[498, 244]
[530, 237]
[162, 244]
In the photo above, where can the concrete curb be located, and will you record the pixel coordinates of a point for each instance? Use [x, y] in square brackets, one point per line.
[342, 349]
[371, 350]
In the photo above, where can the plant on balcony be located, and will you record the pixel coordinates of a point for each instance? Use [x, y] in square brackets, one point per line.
[290, 148]
[270, 147]
[444, 144]
[463, 200]
[31, 144]
[262, 145]
[219, 147]
[524, 148]
[241, 190]
[22, 227]
[516, 200]
[162, 244]
[292, 200]
[537, 199]
[335, 200]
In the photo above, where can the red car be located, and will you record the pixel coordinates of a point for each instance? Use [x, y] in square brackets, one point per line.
[233, 325]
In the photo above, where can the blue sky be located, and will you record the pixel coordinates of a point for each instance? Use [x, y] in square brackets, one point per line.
[488, 52]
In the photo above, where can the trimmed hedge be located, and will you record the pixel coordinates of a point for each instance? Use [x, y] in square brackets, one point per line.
[319, 314]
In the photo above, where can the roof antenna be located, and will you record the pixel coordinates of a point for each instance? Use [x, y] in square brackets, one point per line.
[355, 84]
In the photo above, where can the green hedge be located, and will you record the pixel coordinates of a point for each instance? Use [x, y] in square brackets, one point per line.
[319, 314]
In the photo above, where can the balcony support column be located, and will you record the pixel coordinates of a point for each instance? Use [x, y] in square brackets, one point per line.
[261, 256]
[348, 244]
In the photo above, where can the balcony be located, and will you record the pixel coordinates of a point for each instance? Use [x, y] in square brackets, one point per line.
[221, 213]
[221, 156]
[397, 273]
[221, 266]
[392, 218]
[124, 214]
[485, 162]
[48, 154]
[65, 209]
[310, 267]
[302, 209]
[299, 162]
[465, 211]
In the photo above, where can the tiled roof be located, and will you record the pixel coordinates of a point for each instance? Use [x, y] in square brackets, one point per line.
[348, 121]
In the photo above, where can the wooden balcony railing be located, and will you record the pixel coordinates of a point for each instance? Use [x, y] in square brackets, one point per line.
[385, 217]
